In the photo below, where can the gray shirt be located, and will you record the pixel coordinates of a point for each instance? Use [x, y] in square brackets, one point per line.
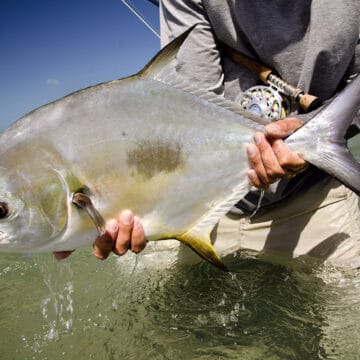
[312, 44]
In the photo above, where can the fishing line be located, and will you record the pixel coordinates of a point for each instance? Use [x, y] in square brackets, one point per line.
[137, 13]
[261, 197]
[135, 264]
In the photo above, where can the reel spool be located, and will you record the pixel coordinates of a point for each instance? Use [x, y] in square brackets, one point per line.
[265, 102]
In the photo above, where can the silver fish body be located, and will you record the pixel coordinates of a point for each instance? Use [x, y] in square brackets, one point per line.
[138, 144]
[176, 159]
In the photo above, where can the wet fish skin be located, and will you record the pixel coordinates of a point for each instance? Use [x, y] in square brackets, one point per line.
[178, 160]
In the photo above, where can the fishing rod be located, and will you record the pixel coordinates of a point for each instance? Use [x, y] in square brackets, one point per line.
[265, 101]
[306, 101]
[140, 17]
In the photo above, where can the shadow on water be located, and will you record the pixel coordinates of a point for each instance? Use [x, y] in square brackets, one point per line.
[109, 310]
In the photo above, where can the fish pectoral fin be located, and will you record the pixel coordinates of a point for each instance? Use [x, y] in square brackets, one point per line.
[84, 202]
[201, 244]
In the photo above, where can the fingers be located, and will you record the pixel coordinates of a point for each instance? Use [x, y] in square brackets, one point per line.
[138, 241]
[263, 161]
[290, 161]
[104, 244]
[61, 255]
[123, 241]
[121, 235]
[282, 128]
[269, 157]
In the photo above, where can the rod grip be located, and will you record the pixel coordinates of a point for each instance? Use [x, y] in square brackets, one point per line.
[261, 71]
[309, 102]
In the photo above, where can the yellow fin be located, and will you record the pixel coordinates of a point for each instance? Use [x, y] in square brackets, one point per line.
[201, 244]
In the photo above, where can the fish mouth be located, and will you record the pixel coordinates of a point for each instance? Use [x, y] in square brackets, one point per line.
[10, 244]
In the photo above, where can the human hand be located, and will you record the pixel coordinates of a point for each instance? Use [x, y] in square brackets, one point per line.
[120, 235]
[269, 158]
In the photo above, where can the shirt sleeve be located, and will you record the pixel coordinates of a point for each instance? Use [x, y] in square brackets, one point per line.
[199, 58]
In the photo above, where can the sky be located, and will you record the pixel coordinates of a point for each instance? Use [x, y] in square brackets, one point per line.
[50, 48]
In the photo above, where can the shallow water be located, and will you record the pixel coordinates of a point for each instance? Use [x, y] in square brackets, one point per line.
[109, 310]
[150, 307]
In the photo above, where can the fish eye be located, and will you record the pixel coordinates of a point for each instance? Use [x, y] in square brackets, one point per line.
[4, 209]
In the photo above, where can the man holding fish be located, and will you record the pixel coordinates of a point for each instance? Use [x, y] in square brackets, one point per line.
[307, 212]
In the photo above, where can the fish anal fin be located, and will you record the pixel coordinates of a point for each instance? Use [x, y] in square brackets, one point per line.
[200, 243]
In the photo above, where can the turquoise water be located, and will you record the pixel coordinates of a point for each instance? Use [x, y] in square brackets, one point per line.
[150, 307]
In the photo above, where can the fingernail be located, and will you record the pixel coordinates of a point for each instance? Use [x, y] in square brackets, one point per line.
[273, 129]
[126, 217]
[112, 225]
[258, 138]
[252, 175]
[251, 151]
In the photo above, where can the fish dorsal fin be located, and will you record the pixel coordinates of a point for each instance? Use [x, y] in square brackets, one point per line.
[162, 67]
[198, 236]
[161, 61]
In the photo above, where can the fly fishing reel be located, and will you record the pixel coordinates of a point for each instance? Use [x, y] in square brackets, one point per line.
[265, 102]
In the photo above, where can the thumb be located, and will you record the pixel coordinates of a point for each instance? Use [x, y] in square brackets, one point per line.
[282, 128]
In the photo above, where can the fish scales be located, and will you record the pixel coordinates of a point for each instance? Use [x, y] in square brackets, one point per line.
[177, 160]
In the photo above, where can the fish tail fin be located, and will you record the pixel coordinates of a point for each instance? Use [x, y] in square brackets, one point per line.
[339, 162]
[322, 140]
[200, 242]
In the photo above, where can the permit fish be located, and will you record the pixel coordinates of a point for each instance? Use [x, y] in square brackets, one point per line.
[173, 154]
